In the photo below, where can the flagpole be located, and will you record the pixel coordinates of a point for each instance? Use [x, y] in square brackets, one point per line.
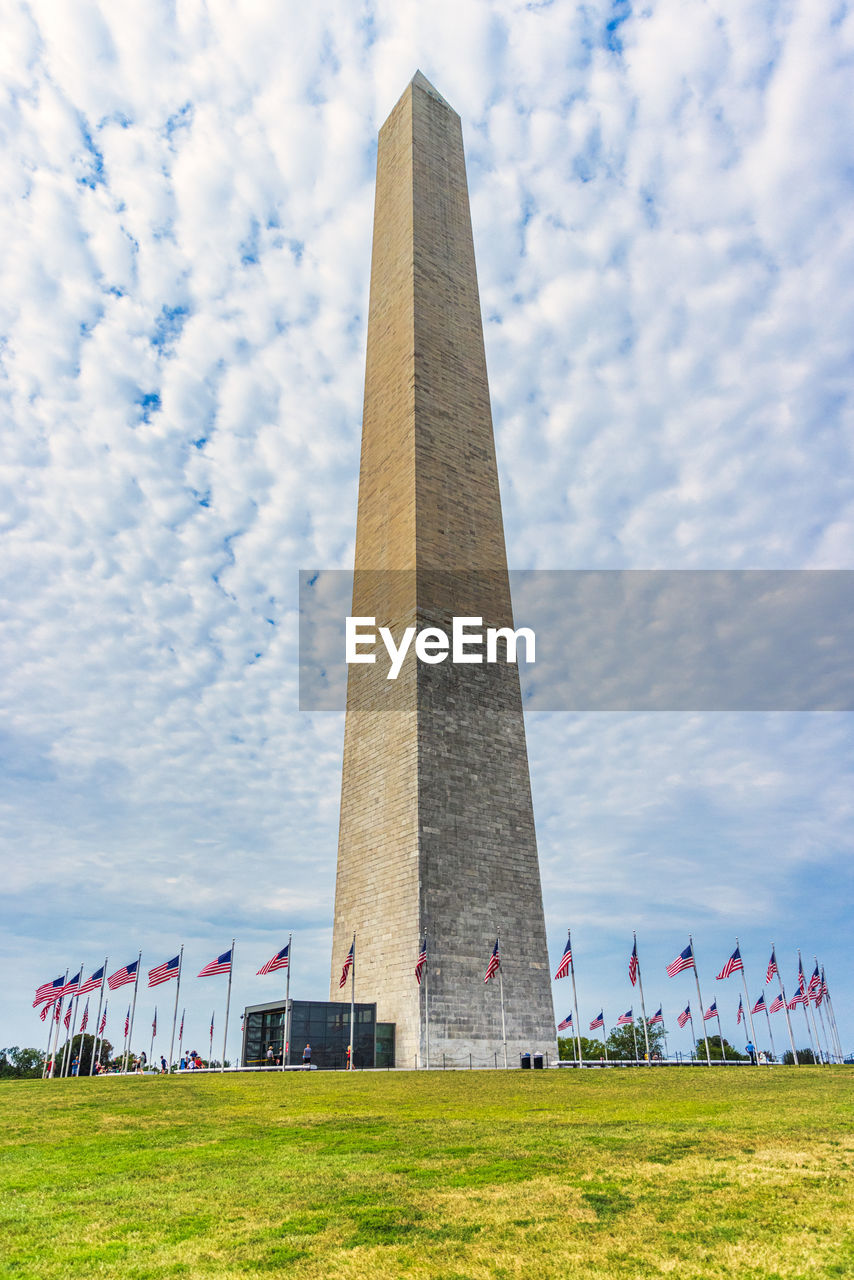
[694, 1033]
[700, 998]
[175, 1011]
[720, 1032]
[817, 1005]
[574, 998]
[748, 1007]
[795, 1057]
[56, 1029]
[427, 1005]
[501, 994]
[832, 1015]
[664, 1030]
[803, 981]
[635, 1037]
[643, 1006]
[49, 1020]
[181, 1035]
[353, 1008]
[210, 1042]
[228, 1003]
[132, 1012]
[286, 1022]
[809, 1005]
[604, 1041]
[66, 1060]
[98, 1019]
[770, 1032]
[153, 1034]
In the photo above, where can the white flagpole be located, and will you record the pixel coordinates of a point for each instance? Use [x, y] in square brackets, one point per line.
[132, 1012]
[353, 1008]
[49, 1020]
[795, 1058]
[664, 1030]
[747, 1005]
[210, 1043]
[807, 1006]
[427, 1003]
[153, 1034]
[700, 998]
[802, 980]
[720, 1031]
[181, 1035]
[66, 1059]
[604, 1041]
[98, 1019]
[643, 1007]
[832, 1016]
[770, 1032]
[574, 998]
[55, 1028]
[694, 1033]
[634, 1036]
[227, 1005]
[501, 993]
[286, 1022]
[175, 1012]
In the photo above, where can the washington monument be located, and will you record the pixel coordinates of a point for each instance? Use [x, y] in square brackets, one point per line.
[437, 828]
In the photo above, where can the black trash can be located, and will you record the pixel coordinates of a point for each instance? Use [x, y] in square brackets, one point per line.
[525, 1061]
[538, 1062]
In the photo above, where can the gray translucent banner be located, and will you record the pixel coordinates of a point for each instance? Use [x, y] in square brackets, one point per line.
[608, 640]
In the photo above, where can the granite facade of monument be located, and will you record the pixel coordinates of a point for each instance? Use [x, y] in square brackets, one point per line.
[437, 829]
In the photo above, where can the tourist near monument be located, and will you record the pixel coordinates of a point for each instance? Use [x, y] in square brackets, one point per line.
[437, 850]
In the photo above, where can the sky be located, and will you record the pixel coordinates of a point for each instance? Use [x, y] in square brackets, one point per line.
[661, 202]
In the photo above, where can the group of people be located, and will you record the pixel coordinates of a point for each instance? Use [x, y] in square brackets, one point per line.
[275, 1060]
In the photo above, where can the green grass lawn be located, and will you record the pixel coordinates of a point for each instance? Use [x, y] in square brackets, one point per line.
[691, 1173]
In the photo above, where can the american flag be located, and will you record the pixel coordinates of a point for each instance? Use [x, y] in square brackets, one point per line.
[760, 1004]
[58, 1007]
[45, 1011]
[598, 1021]
[103, 1020]
[740, 1013]
[494, 963]
[154, 1022]
[777, 1005]
[67, 1018]
[93, 983]
[72, 984]
[825, 994]
[815, 985]
[633, 963]
[164, 972]
[84, 1024]
[49, 991]
[127, 1022]
[181, 1030]
[732, 965]
[566, 1025]
[122, 976]
[798, 997]
[685, 960]
[281, 960]
[222, 964]
[565, 960]
[684, 1015]
[351, 957]
[421, 961]
[656, 1017]
[772, 967]
[625, 1019]
[711, 1012]
[212, 1024]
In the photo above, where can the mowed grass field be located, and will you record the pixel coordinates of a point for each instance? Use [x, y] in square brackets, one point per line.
[693, 1173]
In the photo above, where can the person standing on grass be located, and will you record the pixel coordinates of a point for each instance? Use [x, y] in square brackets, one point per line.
[306, 1056]
[163, 1067]
[270, 1061]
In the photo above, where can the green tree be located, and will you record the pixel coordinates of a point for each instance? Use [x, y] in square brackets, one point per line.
[805, 1057]
[81, 1047]
[590, 1049]
[715, 1054]
[621, 1041]
[21, 1064]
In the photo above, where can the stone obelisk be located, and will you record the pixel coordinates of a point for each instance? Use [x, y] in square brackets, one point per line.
[437, 828]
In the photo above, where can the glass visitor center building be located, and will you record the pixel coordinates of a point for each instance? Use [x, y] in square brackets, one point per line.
[323, 1024]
